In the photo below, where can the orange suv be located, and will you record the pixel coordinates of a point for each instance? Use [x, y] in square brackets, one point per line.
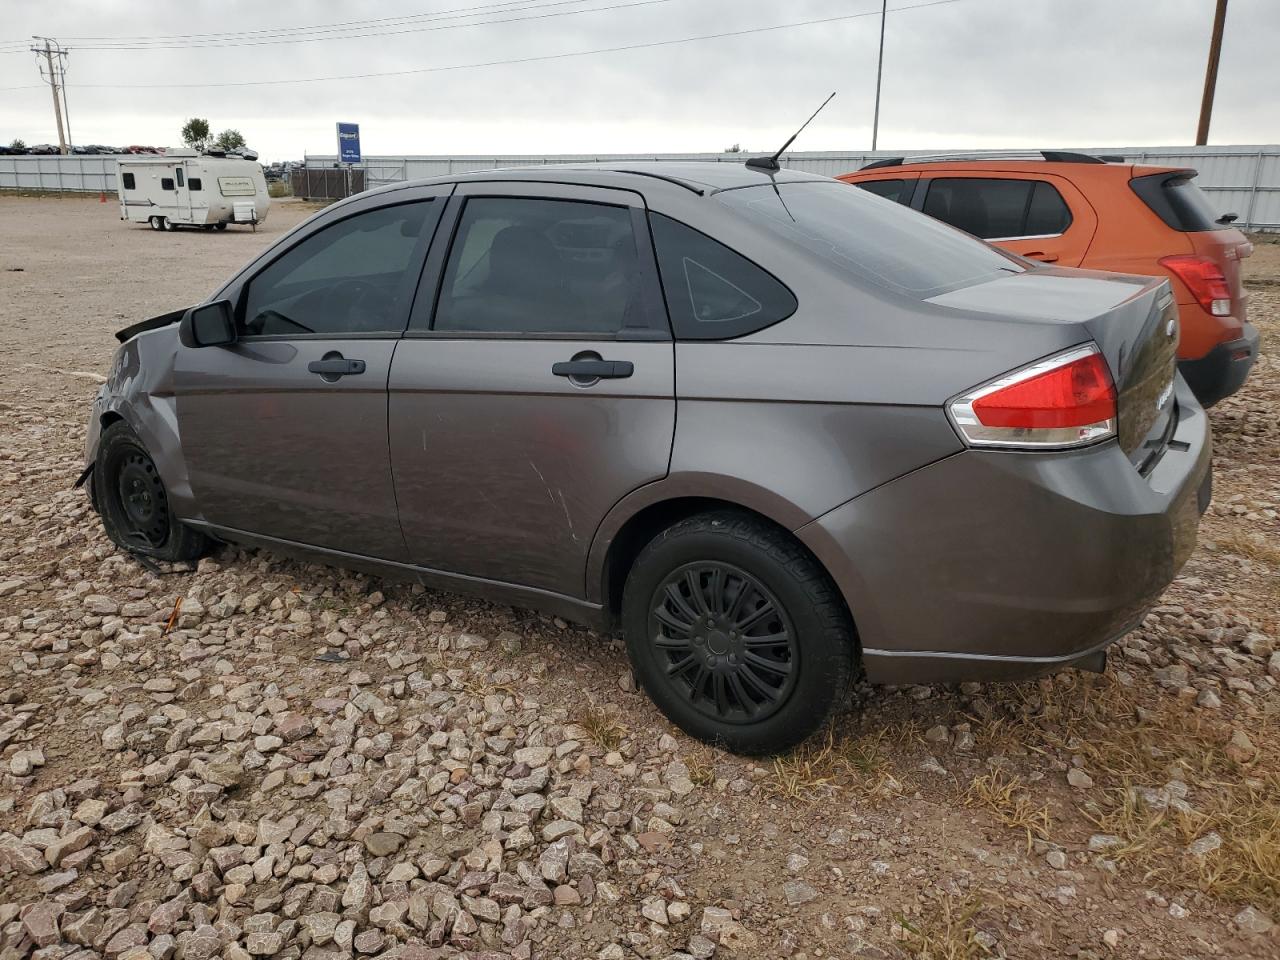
[1075, 210]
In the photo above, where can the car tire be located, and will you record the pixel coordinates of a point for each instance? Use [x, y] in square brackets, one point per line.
[134, 504]
[737, 633]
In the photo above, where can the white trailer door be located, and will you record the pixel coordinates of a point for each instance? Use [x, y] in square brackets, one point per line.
[181, 194]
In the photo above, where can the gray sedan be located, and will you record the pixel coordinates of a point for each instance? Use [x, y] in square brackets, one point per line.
[777, 430]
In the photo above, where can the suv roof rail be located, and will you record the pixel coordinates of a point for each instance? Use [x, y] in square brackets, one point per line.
[1052, 156]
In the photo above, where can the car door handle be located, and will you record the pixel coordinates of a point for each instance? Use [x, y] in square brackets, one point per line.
[593, 369]
[1042, 256]
[335, 367]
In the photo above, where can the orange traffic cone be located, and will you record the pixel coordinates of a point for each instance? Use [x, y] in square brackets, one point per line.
[102, 197]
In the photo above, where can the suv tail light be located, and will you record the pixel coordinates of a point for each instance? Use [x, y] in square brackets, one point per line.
[1067, 400]
[1204, 279]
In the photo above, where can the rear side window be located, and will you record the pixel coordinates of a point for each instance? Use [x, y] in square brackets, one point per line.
[195, 184]
[166, 183]
[1177, 201]
[713, 293]
[894, 190]
[530, 266]
[129, 182]
[870, 241]
[998, 209]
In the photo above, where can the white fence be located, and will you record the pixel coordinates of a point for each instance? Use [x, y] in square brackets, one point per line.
[1244, 180]
[73, 174]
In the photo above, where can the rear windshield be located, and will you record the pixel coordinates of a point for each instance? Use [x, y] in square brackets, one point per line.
[1178, 202]
[871, 238]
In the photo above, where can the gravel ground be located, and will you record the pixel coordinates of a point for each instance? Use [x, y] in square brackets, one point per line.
[264, 758]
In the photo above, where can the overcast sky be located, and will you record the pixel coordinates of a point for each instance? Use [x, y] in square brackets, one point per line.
[961, 73]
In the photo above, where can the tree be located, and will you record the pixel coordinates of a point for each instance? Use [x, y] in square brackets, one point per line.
[229, 140]
[736, 148]
[17, 145]
[195, 133]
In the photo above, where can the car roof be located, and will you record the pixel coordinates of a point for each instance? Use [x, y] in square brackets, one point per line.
[1124, 170]
[698, 176]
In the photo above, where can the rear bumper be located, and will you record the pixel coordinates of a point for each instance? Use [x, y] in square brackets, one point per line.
[1224, 369]
[1003, 565]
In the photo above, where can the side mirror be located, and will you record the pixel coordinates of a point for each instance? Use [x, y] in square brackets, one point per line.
[208, 325]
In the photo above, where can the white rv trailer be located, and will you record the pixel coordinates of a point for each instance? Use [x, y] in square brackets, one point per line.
[188, 188]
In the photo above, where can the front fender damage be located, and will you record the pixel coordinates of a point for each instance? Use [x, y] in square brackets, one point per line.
[140, 391]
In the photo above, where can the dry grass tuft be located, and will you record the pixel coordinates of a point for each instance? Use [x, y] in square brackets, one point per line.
[827, 765]
[1006, 797]
[701, 764]
[950, 932]
[602, 727]
[1244, 544]
[1145, 753]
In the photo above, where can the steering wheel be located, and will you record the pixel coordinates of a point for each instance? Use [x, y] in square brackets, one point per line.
[365, 305]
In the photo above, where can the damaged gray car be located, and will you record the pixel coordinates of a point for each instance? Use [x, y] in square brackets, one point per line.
[778, 432]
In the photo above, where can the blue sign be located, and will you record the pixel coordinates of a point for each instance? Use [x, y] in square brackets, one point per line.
[349, 142]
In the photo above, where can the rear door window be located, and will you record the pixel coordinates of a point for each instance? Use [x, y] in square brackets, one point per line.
[1178, 201]
[712, 292]
[997, 208]
[522, 265]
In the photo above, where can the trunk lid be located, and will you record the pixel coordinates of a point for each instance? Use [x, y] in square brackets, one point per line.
[1134, 322]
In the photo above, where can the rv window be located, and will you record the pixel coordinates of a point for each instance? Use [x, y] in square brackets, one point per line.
[195, 184]
[179, 173]
[128, 181]
[166, 183]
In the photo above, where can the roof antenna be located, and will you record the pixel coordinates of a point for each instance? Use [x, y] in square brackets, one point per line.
[771, 163]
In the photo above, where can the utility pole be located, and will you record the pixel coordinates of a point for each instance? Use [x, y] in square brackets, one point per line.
[875, 123]
[1211, 74]
[55, 76]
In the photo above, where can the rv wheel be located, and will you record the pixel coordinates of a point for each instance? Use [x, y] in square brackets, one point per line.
[168, 224]
[155, 222]
[222, 226]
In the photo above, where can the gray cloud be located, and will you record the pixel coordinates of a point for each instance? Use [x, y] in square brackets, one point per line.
[971, 73]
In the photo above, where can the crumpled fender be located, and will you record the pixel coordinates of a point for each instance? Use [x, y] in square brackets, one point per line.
[140, 390]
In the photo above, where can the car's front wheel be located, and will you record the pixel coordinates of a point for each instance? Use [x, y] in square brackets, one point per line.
[737, 633]
[134, 503]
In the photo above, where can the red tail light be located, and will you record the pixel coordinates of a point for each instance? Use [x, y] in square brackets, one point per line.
[1065, 400]
[1204, 278]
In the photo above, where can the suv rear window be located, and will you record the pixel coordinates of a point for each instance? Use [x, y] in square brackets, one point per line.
[886, 245]
[889, 189]
[1177, 201]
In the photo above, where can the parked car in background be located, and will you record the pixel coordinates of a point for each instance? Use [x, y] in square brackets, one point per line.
[1076, 210]
[899, 450]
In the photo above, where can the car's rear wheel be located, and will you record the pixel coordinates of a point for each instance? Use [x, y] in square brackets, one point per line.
[737, 633]
[134, 504]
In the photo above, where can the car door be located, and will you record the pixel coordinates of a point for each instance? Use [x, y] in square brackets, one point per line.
[1042, 218]
[285, 430]
[535, 384]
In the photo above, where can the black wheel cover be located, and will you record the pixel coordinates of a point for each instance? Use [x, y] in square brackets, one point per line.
[724, 641]
[143, 506]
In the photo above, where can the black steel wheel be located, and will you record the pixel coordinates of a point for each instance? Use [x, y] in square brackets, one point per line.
[131, 497]
[737, 633]
[144, 504]
[729, 645]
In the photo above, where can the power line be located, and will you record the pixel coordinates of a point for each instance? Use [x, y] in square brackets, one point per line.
[474, 10]
[218, 41]
[516, 60]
